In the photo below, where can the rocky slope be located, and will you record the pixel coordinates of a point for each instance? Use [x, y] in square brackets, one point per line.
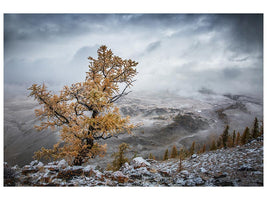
[239, 166]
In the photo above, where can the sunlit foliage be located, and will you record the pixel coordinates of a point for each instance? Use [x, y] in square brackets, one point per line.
[85, 111]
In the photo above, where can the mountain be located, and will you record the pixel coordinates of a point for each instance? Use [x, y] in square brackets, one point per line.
[166, 120]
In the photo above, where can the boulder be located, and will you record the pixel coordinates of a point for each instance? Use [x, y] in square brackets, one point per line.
[120, 177]
[70, 172]
[62, 164]
[139, 162]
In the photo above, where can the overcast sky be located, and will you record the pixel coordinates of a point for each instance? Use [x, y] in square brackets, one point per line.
[176, 52]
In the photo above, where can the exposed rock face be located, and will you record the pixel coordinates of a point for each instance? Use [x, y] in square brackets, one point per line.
[239, 166]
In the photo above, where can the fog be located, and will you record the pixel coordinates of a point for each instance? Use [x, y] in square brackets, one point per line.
[177, 53]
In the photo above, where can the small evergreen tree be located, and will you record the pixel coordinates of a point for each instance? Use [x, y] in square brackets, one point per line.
[151, 156]
[237, 141]
[255, 130]
[166, 155]
[174, 152]
[219, 143]
[213, 146]
[192, 148]
[181, 158]
[234, 137]
[203, 148]
[245, 136]
[225, 136]
[119, 158]
[261, 129]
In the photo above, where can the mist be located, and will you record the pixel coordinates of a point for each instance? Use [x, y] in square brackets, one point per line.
[177, 53]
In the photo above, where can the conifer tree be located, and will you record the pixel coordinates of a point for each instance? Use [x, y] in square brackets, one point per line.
[85, 112]
[219, 143]
[181, 158]
[174, 152]
[213, 146]
[166, 155]
[119, 157]
[225, 136]
[203, 148]
[151, 156]
[261, 129]
[192, 148]
[234, 138]
[255, 130]
[237, 138]
[245, 136]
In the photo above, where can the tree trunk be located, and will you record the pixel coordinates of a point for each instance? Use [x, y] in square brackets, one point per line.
[79, 159]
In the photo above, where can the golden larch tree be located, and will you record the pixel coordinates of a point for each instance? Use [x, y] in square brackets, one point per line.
[85, 111]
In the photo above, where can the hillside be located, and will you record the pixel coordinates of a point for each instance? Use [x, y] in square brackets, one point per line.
[238, 166]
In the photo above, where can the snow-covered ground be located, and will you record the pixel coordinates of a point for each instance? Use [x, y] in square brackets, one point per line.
[239, 166]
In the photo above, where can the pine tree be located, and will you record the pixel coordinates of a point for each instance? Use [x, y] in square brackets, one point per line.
[255, 130]
[213, 146]
[85, 112]
[181, 158]
[203, 148]
[151, 156]
[119, 158]
[225, 136]
[192, 148]
[261, 129]
[234, 138]
[166, 155]
[237, 142]
[174, 152]
[219, 143]
[245, 136]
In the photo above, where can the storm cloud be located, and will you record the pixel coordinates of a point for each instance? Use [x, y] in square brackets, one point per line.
[181, 53]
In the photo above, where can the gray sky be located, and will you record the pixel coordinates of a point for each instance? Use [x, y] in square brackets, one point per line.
[176, 52]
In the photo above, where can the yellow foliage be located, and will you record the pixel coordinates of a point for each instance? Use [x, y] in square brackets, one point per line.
[85, 111]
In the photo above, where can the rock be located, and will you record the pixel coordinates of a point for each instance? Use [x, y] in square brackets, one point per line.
[35, 162]
[70, 172]
[89, 171]
[202, 170]
[223, 183]
[199, 181]
[165, 173]
[246, 168]
[62, 164]
[193, 156]
[27, 169]
[120, 177]
[139, 162]
[220, 175]
[184, 173]
[40, 165]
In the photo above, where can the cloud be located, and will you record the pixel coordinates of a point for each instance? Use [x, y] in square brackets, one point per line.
[180, 52]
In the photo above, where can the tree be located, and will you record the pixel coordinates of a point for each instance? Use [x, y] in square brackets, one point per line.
[255, 130]
[203, 148]
[192, 148]
[245, 136]
[237, 138]
[119, 158]
[166, 155]
[85, 112]
[225, 136]
[181, 158]
[151, 156]
[174, 152]
[234, 138]
[213, 146]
